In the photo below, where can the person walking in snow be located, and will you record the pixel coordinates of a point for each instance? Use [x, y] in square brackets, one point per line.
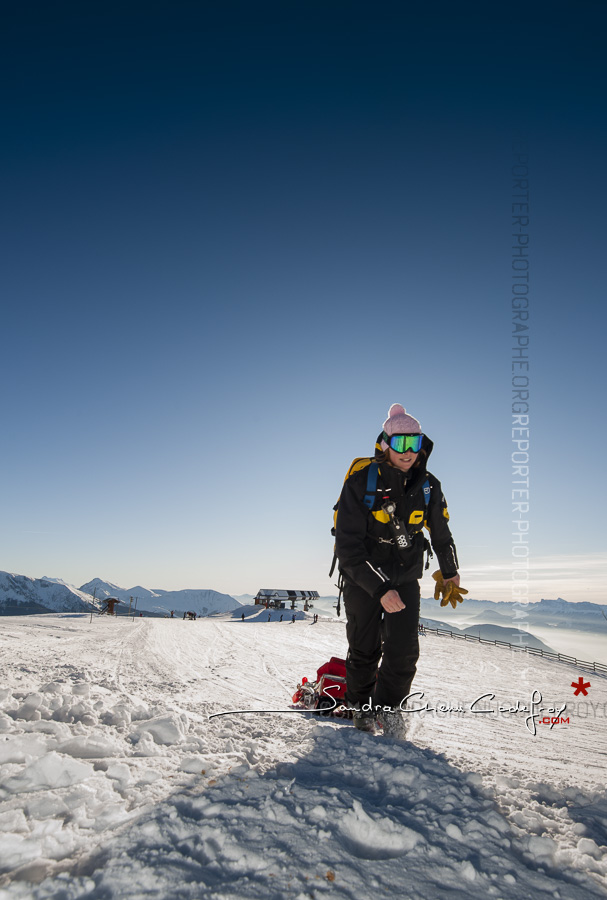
[380, 546]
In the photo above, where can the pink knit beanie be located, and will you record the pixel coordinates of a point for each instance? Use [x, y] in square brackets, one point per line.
[398, 422]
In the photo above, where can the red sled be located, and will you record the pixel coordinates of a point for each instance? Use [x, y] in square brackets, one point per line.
[328, 692]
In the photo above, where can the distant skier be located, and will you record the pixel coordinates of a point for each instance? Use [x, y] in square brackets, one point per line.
[242, 617]
[380, 547]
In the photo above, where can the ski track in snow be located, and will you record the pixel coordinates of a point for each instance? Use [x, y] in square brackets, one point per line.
[114, 781]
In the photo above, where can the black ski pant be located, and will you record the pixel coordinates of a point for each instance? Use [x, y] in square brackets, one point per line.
[375, 635]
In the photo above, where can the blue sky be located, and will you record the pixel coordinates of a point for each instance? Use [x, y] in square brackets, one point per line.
[235, 233]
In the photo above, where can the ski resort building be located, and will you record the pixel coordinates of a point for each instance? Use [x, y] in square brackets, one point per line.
[279, 598]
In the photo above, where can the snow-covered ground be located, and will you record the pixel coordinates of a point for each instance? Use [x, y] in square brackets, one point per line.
[118, 779]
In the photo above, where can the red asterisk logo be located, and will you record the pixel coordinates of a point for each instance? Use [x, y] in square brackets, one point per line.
[580, 686]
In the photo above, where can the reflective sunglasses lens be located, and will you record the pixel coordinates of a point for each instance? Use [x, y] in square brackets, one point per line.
[403, 442]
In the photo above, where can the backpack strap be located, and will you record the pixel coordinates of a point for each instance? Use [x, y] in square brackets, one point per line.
[332, 569]
[427, 492]
[372, 473]
[428, 548]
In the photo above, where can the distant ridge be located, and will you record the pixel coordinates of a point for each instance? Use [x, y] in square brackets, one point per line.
[582, 616]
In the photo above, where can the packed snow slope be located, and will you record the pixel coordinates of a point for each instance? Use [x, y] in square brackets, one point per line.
[121, 775]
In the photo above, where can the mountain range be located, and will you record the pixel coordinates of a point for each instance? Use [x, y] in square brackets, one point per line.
[22, 595]
[560, 613]
[203, 602]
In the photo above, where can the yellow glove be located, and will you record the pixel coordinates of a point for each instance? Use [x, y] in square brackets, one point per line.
[451, 592]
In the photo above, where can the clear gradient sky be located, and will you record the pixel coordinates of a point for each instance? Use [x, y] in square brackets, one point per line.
[234, 233]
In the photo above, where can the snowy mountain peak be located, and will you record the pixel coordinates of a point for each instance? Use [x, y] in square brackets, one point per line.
[20, 594]
[100, 588]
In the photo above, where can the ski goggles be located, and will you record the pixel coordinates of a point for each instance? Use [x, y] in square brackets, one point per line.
[400, 443]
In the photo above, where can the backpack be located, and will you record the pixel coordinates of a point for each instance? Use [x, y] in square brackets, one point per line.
[356, 465]
[328, 693]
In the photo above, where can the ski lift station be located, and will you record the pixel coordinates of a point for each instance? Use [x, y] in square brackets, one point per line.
[109, 606]
[279, 598]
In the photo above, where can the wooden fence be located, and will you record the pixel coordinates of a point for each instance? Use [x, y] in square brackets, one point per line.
[599, 668]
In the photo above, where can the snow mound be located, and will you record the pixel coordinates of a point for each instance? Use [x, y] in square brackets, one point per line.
[375, 838]
[49, 772]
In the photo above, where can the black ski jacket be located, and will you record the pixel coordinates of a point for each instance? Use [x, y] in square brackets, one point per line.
[364, 544]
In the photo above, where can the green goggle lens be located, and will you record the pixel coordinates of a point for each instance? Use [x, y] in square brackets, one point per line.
[400, 443]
